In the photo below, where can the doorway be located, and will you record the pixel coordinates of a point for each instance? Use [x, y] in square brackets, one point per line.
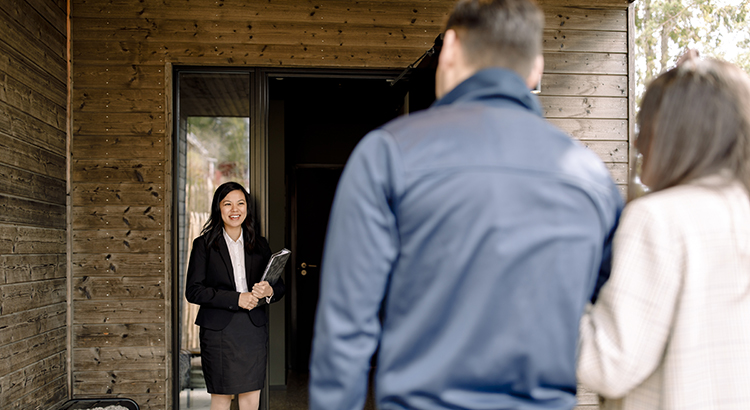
[300, 126]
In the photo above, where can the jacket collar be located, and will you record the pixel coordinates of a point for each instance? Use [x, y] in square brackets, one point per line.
[493, 86]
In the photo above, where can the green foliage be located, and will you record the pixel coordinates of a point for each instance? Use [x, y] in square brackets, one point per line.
[666, 28]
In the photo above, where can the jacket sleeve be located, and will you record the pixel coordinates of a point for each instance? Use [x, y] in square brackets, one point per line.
[197, 285]
[361, 247]
[624, 335]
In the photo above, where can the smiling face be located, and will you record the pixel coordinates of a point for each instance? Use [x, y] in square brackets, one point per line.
[233, 210]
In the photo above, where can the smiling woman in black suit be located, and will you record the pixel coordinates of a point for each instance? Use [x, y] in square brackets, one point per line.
[224, 272]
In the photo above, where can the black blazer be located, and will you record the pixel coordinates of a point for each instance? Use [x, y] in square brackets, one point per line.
[210, 282]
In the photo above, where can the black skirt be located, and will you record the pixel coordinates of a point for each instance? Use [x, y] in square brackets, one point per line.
[234, 358]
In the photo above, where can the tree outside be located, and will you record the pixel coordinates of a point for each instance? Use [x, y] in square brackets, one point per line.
[666, 28]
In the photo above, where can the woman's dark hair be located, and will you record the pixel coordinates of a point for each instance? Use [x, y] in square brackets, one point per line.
[213, 227]
[695, 121]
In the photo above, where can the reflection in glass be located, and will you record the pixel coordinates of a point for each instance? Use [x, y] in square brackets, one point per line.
[214, 135]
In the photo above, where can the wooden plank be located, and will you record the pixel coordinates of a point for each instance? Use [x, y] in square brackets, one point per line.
[31, 378]
[23, 98]
[618, 171]
[54, 11]
[98, 141]
[30, 240]
[125, 335]
[118, 241]
[557, 17]
[18, 297]
[18, 182]
[52, 61]
[31, 322]
[25, 128]
[586, 107]
[592, 129]
[585, 41]
[330, 11]
[119, 311]
[124, 264]
[116, 288]
[590, 85]
[51, 396]
[29, 212]
[23, 155]
[118, 171]
[146, 194]
[139, 100]
[131, 62]
[609, 151]
[117, 76]
[31, 350]
[119, 382]
[258, 31]
[586, 63]
[37, 27]
[28, 268]
[18, 66]
[120, 358]
[118, 217]
[588, 4]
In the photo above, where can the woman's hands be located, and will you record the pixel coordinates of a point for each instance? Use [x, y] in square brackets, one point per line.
[262, 290]
[247, 301]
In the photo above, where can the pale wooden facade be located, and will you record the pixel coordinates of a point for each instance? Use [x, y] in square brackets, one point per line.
[116, 226]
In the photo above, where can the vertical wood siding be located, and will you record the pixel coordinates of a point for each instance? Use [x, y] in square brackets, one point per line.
[33, 100]
[122, 52]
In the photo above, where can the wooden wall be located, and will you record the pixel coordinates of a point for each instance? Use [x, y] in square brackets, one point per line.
[122, 54]
[33, 117]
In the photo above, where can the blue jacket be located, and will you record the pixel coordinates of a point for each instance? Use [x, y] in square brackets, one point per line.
[463, 244]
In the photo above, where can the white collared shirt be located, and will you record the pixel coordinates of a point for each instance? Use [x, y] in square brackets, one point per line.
[237, 255]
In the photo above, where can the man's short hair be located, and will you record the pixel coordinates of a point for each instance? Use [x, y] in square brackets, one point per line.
[499, 33]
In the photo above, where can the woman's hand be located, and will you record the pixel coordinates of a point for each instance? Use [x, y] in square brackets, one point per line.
[262, 290]
[247, 301]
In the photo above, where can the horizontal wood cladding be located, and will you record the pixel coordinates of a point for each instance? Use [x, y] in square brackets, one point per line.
[584, 107]
[588, 85]
[51, 59]
[31, 322]
[587, 129]
[27, 268]
[27, 212]
[137, 139]
[31, 379]
[118, 288]
[123, 358]
[585, 63]
[118, 171]
[51, 396]
[124, 100]
[44, 113]
[31, 240]
[119, 241]
[119, 217]
[103, 194]
[22, 183]
[17, 355]
[31, 158]
[109, 264]
[119, 382]
[18, 297]
[119, 311]
[119, 335]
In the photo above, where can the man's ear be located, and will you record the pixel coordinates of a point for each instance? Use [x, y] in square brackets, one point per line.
[447, 54]
[536, 72]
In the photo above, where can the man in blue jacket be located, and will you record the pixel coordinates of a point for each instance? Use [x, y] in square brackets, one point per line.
[464, 240]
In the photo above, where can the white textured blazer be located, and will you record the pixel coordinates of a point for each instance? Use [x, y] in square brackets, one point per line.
[671, 328]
